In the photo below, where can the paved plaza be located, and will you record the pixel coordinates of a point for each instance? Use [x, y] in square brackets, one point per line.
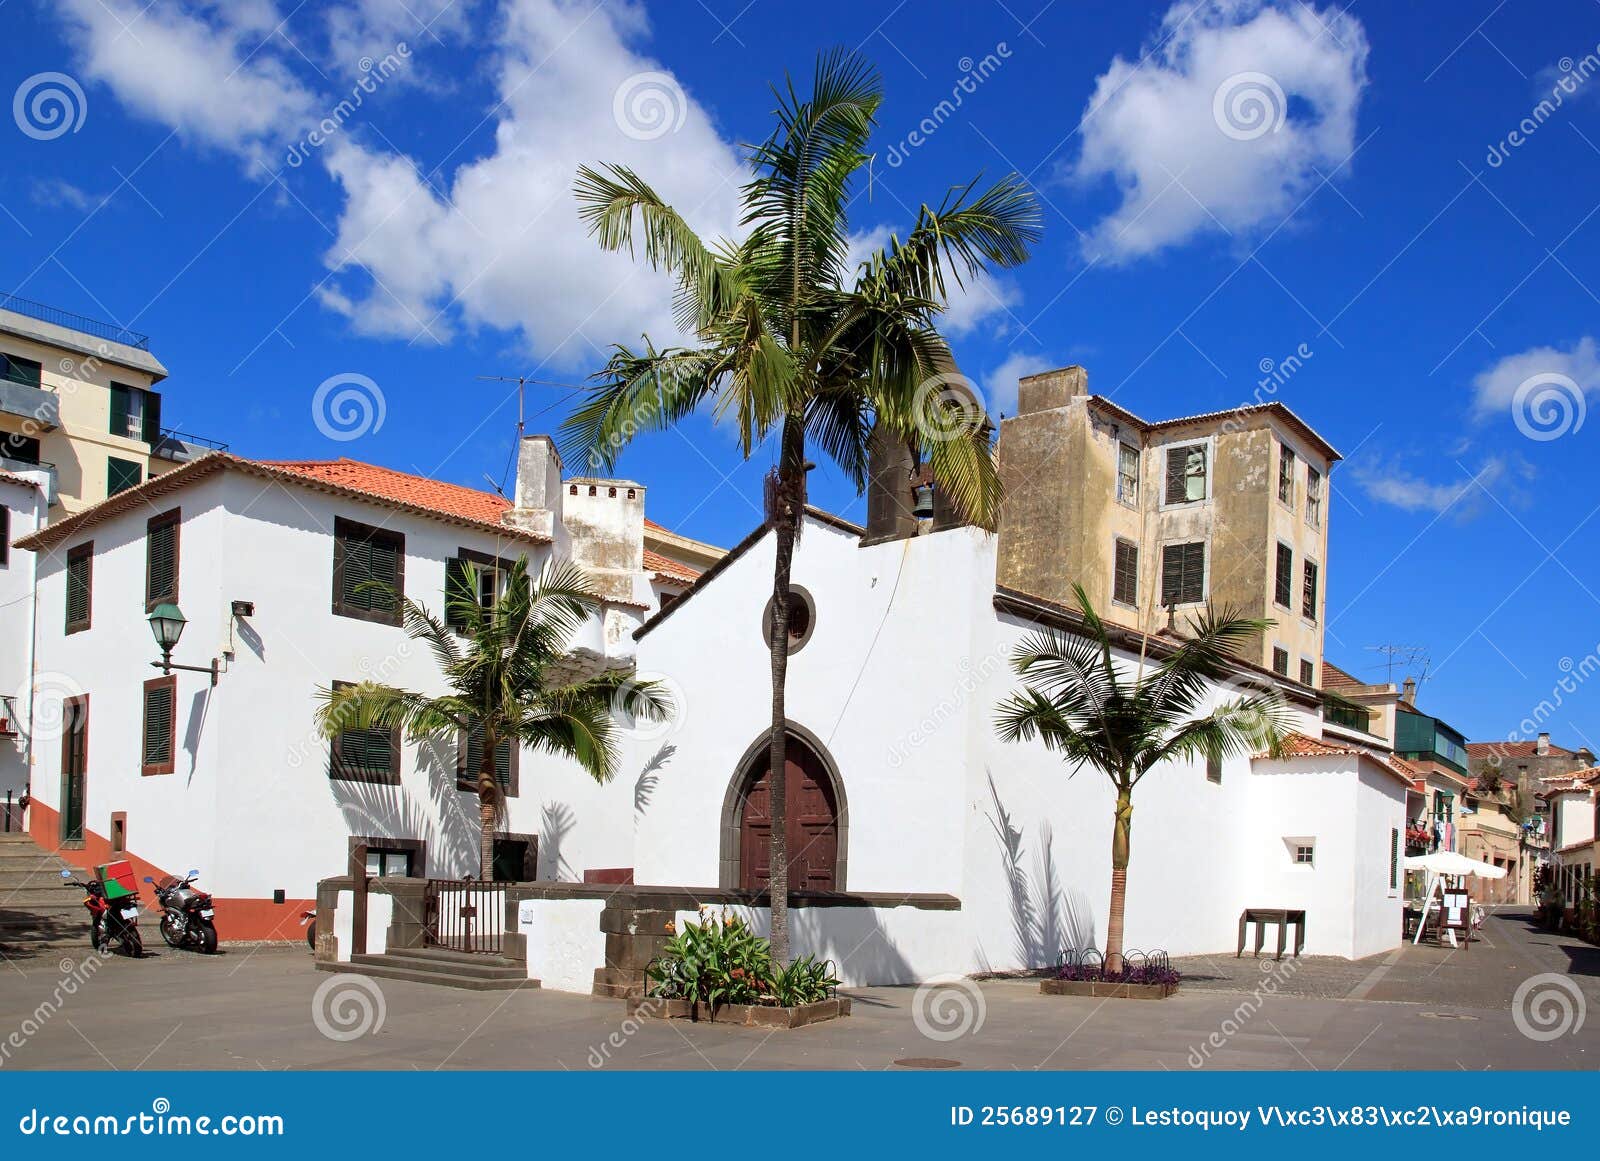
[266, 1008]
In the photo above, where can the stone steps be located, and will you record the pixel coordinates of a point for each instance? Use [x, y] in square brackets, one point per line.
[35, 911]
[479, 973]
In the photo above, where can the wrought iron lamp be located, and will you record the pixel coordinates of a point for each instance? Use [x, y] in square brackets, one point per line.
[166, 624]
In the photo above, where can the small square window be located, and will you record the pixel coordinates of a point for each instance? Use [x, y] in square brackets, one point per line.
[1305, 855]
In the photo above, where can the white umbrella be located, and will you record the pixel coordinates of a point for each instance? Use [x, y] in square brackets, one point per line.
[1447, 863]
[1451, 863]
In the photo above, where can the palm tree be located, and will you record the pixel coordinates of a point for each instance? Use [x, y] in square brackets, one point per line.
[1125, 721]
[509, 681]
[789, 341]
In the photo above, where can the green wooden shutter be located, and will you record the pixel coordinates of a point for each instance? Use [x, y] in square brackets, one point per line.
[1284, 593]
[121, 475]
[456, 590]
[365, 754]
[1177, 487]
[502, 759]
[152, 417]
[161, 549]
[1308, 606]
[78, 591]
[119, 409]
[158, 725]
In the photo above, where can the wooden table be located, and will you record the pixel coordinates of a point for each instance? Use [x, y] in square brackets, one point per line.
[1261, 916]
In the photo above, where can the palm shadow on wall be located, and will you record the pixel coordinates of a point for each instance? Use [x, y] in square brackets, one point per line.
[1046, 918]
[447, 821]
[644, 786]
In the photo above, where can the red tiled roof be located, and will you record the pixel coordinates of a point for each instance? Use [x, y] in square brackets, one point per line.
[403, 487]
[1335, 678]
[1515, 750]
[1297, 745]
[22, 481]
[667, 568]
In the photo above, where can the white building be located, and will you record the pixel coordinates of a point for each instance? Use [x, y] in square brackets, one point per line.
[229, 775]
[23, 503]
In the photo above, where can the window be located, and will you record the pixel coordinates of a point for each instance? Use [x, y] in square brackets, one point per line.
[122, 475]
[369, 567]
[1183, 573]
[1308, 672]
[1286, 475]
[1280, 660]
[469, 756]
[135, 413]
[5, 536]
[161, 559]
[369, 755]
[80, 587]
[388, 862]
[1283, 578]
[1305, 854]
[1214, 770]
[14, 369]
[23, 449]
[1127, 474]
[160, 725]
[1313, 497]
[1186, 474]
[1125, 578]
[1308, 602]
[1394, 858]
[802, 619]
[492, 574]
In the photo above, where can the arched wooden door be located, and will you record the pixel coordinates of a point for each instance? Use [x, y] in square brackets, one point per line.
[813, 824]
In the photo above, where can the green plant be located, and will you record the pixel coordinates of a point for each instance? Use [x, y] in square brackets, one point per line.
[1125, 721]
[795, 341]
[715, 961]
[805, 981]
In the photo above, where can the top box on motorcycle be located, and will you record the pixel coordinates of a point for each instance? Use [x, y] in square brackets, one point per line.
[117, 878]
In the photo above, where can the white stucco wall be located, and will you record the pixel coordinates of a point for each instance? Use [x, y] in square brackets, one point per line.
[26, 506]
[564, 942]
[251, 802]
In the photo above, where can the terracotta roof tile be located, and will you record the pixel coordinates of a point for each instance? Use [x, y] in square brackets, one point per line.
[667, 568]
[1515, 750]
[1335, 678]
[404, 487]
[1297, 745]
[9, 478]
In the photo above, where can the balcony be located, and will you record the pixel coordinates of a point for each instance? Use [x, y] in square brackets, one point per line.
[180, 447]
[35, 405]
[76, 322]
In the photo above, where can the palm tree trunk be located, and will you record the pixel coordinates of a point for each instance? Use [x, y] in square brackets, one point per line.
[488, 808]
[1119, 877]
[786, 515]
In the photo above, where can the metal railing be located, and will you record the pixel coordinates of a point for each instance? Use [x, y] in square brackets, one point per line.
[77, 322]
[198, 440]
[465, 916]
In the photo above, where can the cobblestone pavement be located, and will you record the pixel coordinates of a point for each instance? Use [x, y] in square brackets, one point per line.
[267, 1008]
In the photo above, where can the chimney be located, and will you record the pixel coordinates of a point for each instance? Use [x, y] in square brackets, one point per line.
[1542, 746]
[1408, 691]
[1051, 389]
[536, 503]
[605, 519]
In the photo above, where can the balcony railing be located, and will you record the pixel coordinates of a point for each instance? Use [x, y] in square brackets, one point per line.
[181, 447]
[77, 322]
[1346, 713]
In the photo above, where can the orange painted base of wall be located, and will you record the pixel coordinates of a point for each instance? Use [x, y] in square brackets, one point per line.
[246, 920]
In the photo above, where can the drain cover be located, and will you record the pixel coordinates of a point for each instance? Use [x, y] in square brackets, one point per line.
[927, 1062]
[1446, 1016]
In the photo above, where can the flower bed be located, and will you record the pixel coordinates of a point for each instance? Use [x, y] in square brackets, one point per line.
[719, 967]
[1141, 977]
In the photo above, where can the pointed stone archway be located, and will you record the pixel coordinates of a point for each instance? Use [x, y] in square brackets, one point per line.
[818, 818]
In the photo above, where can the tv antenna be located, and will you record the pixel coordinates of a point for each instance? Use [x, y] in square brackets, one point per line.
[1408, 657]
[522, 382]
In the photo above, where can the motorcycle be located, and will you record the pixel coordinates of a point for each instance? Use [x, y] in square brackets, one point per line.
[112, 926]
[186, 919]
[308, 920]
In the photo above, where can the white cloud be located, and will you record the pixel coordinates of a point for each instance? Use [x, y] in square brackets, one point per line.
[372, 29]
[199, 71]
[1462, 497]
[1494, 391]
[506, 248]
[1225, 124]
[1000, 384]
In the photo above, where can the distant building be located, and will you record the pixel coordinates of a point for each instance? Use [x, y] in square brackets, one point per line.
[1156, 519]
[78, 407]
[1527, 764]
[1571, 807]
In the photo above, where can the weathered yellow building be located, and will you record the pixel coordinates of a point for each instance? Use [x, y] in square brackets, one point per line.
[1157, 519]
[78, 406]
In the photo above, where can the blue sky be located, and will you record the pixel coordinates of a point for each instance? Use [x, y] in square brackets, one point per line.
[1225, 185]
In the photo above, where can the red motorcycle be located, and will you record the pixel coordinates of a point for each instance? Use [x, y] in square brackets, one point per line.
[113, 926]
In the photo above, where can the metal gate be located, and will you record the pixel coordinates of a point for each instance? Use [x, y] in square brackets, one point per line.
[466, 916]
